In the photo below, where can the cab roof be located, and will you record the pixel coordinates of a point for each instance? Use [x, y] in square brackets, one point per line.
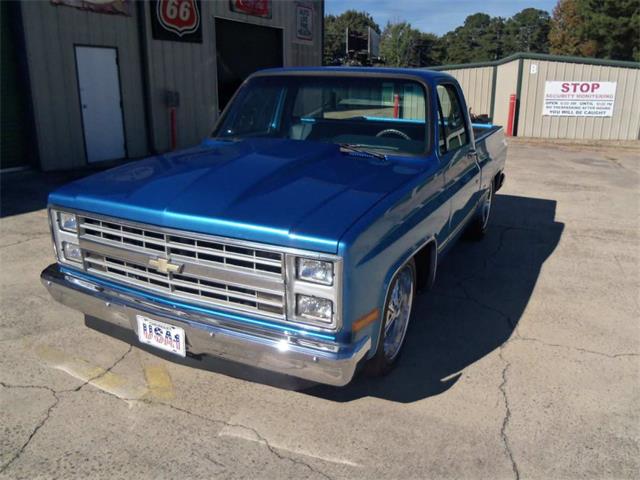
[428, 76]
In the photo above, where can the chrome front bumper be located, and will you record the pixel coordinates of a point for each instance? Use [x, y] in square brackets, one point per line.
[288, 353]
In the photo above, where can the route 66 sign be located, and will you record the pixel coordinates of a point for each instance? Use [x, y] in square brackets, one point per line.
[176, 20]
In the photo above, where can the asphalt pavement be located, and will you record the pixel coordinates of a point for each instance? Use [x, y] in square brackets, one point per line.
[523, 362]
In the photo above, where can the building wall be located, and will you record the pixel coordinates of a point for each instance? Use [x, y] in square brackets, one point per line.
[514, 76]
[623, 125]
[190, 69]
[50, 35]
[476, 84]
[506, 85]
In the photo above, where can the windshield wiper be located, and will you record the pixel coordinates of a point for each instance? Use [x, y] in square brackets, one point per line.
[358, 148]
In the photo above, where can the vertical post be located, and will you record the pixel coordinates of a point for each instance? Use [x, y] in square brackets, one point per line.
[143, 40]
[494, 81]
[512, 114]
[174, 128]
[396, 106]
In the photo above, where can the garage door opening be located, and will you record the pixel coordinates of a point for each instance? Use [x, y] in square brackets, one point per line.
[242, 49]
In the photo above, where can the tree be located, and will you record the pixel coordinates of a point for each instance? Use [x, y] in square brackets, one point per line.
[401, 45]
[335, 32]
[596, 28]
[430, 50]
[567, 36]
[479, 39]
[527, 31]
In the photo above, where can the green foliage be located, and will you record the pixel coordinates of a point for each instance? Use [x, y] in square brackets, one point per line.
[590, 28]
[335, 32]
[479, 39]
[403, 46]
[596, 28]
[527, 31]
[482, 38]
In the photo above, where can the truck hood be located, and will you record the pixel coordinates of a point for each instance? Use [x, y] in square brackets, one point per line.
[284, 192]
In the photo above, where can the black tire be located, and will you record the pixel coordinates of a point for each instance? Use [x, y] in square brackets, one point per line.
[382, 363]
[480, 222]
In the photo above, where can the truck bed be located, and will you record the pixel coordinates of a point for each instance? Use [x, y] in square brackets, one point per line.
[483, 130]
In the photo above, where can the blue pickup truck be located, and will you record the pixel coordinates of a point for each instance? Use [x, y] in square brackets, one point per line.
[295, 237]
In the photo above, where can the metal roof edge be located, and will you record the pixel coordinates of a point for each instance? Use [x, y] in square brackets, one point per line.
[540, 56]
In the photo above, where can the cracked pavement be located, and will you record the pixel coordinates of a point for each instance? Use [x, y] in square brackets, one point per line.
[522, 362]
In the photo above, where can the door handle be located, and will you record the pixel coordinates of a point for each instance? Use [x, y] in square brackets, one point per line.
[472, 153]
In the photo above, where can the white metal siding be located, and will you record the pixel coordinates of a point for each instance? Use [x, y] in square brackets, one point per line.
[506, 85]
[51, 32]
[623, 125]
[476, 84]
[50, 35]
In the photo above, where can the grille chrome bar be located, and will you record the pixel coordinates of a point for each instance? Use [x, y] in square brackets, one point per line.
[151, 241]
[211, 271]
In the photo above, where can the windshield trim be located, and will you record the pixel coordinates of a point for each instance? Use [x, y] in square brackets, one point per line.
[351, 74]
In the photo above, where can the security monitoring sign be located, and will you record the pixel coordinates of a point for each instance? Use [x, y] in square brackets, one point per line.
[579, 99]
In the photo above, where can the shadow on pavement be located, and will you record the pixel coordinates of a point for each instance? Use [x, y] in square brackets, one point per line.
[24, 192]
[27, 191]
[480, 294]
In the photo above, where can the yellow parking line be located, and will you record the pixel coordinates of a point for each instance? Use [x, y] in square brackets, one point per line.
[98, 377]
[158, 382]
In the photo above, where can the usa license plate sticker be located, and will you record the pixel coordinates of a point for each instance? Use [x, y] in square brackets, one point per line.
[161, 335]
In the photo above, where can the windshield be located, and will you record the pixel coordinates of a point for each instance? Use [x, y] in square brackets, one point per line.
[381, 114]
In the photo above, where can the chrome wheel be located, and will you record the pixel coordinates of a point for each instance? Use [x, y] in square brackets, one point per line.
[486, 208]
[398, 312]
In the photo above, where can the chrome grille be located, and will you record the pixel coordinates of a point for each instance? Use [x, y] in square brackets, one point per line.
[155, 242]
[208, 270]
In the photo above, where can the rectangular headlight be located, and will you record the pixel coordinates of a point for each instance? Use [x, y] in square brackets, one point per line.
[71, 252]
[65, 237]
[314, 308]
[68, 222]
[315, 271]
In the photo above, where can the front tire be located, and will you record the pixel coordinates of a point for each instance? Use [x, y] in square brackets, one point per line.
[395, 318]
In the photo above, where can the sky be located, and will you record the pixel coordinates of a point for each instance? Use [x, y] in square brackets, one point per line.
[435, 16]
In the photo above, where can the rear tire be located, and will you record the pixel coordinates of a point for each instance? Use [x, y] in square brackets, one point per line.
[478, 226]
[395, 317]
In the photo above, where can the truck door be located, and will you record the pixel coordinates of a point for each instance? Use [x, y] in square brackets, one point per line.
[462, 172]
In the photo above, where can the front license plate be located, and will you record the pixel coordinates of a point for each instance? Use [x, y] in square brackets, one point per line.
[161, 335]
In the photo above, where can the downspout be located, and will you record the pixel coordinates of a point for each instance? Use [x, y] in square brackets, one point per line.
[494, 81]
[146, 78]
[516, 118]
[20, 35]
[322, 32]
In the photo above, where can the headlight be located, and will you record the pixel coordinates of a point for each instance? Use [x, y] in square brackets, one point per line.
[314, 308]
[316, 271]
[314, 290]
[71, 252]
[68, 222]
[64, 228]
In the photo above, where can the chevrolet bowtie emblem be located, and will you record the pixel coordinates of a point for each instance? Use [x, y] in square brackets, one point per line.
[162, 265]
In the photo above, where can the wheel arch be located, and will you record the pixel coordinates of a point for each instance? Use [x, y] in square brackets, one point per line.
[427, 252]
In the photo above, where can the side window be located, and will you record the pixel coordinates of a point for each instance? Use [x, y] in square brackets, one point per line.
[453, 119]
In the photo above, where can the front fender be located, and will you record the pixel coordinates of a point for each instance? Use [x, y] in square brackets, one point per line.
[378, 248]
